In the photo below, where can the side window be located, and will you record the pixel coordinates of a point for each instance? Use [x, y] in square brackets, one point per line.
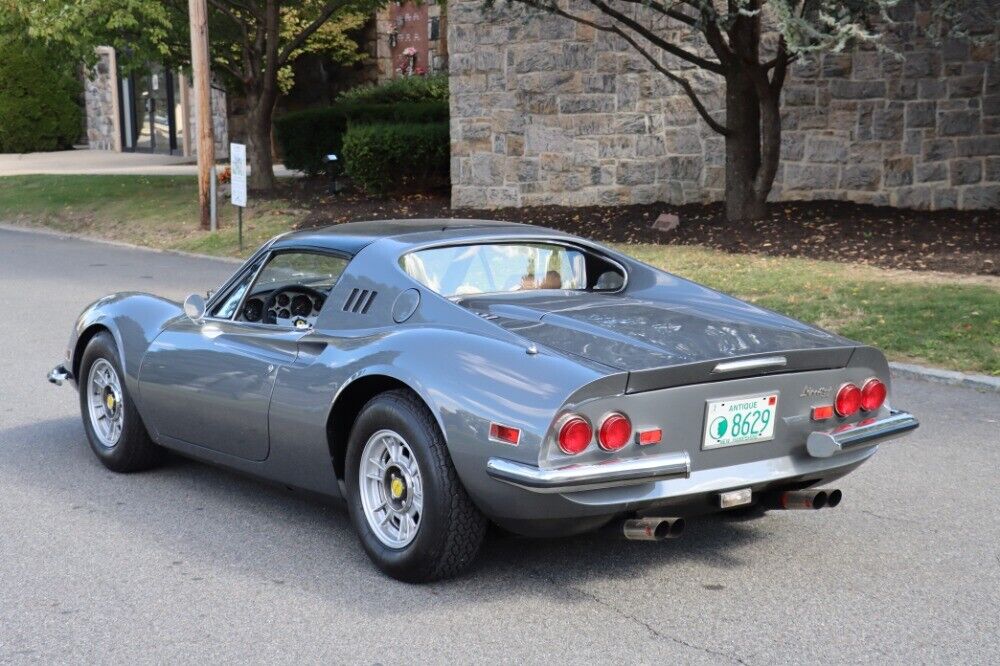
[292, 288]
[227, 306]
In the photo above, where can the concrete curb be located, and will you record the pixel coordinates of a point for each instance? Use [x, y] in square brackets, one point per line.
[104, 241]
[984, 383]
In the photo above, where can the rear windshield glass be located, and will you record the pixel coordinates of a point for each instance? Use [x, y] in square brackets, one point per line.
[489, 268]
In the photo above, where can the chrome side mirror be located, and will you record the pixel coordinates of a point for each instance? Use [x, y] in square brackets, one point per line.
[194, 307]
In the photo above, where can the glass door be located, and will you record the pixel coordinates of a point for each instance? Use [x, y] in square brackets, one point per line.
[148, 113]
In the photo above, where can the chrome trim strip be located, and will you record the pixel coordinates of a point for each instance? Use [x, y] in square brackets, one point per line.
[868, 431]
[60, 374]
[750, 364]
[576, 478]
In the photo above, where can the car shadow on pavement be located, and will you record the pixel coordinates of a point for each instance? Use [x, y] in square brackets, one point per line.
[208, 517]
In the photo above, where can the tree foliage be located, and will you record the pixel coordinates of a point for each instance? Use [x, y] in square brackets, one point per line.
[39, 106]
[253, 44]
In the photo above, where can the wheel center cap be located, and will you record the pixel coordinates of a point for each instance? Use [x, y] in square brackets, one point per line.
[110, 401]
[397, 487]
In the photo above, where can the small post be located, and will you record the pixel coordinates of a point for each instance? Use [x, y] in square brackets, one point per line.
[239, 222]
[213, 203]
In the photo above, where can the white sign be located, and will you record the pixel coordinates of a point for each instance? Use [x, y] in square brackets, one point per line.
[238, 173]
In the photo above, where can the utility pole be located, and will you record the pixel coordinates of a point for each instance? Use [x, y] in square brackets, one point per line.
[203, 98]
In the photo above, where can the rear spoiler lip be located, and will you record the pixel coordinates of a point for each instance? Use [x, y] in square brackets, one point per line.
[704, 372]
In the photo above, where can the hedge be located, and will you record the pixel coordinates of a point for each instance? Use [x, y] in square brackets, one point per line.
[38, 106]
[406, 89]
[384, 157]
[307, 137]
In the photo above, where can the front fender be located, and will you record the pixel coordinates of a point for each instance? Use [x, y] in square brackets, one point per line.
[133, 319]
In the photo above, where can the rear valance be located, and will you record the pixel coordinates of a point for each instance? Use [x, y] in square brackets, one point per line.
[723, 369]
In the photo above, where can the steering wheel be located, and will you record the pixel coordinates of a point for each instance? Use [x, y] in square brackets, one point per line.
[272, 307]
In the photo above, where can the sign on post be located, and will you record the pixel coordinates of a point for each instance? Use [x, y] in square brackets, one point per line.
[238, 174]
[238, 183]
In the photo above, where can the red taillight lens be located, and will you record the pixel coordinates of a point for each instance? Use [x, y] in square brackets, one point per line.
[575, 435]
[615, 432]
[848, 400]
[872, 395]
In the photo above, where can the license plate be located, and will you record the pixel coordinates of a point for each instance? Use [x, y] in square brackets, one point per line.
[736, 421]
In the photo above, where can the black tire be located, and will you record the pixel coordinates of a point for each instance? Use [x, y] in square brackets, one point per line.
[451, 528]
[134, 450]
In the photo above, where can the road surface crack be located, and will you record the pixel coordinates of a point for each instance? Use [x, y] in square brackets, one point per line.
[653, 631]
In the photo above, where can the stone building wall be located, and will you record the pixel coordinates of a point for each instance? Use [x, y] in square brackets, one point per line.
[103, 108]
[546, 111]
[101, 104]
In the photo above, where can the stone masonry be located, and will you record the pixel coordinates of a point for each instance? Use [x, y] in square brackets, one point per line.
[545, 111]
[100, 101]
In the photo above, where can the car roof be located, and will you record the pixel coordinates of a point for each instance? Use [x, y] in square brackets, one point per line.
[351, 237]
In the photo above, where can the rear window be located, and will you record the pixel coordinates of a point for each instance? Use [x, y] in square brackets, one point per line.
[490, 268]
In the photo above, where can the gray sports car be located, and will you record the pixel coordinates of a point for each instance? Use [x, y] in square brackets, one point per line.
[441, 374]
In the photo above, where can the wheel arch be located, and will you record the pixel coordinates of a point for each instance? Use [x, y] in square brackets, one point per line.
[349, 402]
[88, 334]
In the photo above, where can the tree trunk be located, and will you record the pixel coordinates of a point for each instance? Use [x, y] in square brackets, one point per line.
[744, 201]
[259, 114]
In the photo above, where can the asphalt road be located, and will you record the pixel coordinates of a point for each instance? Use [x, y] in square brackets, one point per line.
[195, 564]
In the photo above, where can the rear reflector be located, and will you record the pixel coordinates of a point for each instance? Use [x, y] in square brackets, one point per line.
[647, 437]
[505, 434]
[822, 413]
[575, 435]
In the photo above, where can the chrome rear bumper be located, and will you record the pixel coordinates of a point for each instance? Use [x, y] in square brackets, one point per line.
[60, 374]
[867, 432]
[574, 478]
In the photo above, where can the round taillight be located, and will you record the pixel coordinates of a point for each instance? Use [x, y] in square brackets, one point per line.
[575, 435]
[872, 395]
[615, 432]
[848, 400]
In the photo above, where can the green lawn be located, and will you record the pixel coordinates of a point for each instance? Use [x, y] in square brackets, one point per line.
[951, 321]
[154, 211]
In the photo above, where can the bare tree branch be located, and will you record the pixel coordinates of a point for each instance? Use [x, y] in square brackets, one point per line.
[655, 39]
[679, 80]
[666, 11]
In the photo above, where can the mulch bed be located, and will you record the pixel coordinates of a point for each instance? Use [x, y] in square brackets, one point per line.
[952, 241]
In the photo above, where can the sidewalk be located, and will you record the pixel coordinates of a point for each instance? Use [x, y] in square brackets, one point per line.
[83, 161]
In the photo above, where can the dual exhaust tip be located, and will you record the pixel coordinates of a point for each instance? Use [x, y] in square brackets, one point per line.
[652, 528]
[805, 500]
[656, 528]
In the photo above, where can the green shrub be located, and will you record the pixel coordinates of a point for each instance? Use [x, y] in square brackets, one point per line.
[306, 137]
[406, 89]
[39, 108]
[381, 158]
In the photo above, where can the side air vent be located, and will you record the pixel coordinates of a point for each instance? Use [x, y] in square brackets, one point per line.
[360, 300]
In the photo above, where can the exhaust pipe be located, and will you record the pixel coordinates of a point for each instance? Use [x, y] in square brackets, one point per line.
[802, 500]
[652, 528]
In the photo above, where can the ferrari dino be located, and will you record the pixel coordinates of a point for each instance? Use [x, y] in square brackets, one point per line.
[441, 374]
